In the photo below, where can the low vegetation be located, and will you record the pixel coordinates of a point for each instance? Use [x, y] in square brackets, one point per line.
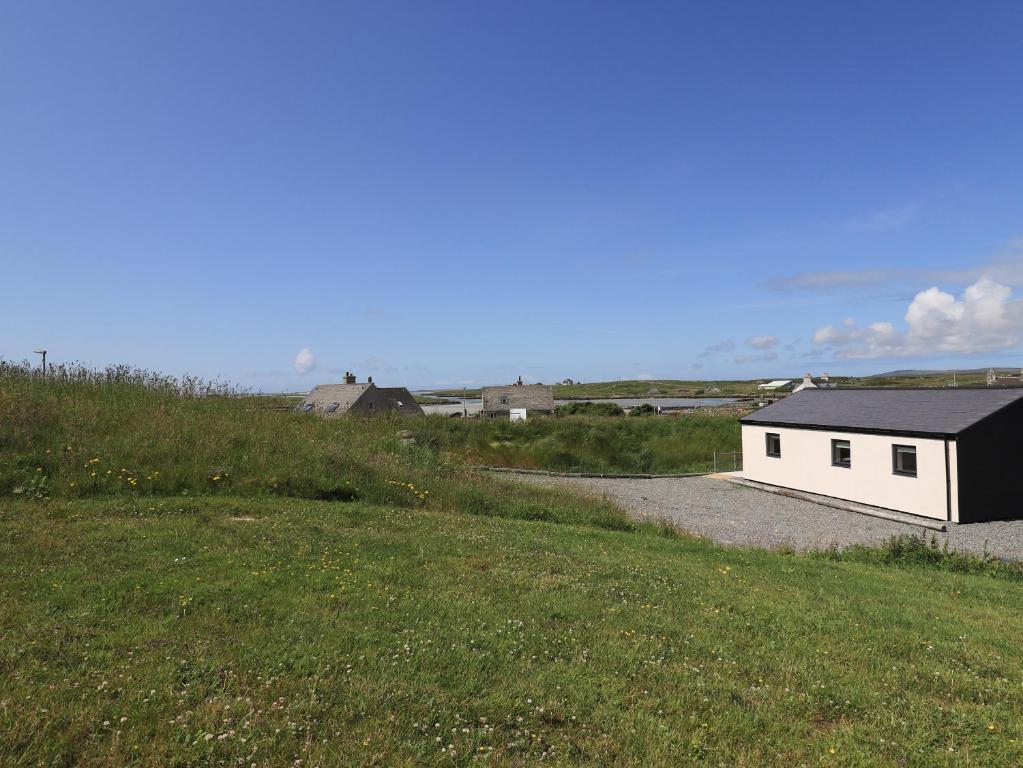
[634, 388]
[275, 589]
[664, 445]
[742, 387]
[589, 408]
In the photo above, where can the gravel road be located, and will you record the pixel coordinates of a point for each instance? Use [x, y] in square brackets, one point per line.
[746, 517]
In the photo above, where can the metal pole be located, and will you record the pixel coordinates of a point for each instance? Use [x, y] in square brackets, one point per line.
[715, 461]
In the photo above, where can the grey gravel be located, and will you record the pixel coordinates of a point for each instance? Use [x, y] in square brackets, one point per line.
[746, 517]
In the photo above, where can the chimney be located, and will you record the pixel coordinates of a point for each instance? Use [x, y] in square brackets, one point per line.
[369, 379]
[349, 377]
[807, 378]
[519, 382]
[824, 377]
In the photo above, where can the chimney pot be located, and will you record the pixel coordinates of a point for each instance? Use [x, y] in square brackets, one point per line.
[369, 379]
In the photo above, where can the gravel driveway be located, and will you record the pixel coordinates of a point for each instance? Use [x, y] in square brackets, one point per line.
[746, 517]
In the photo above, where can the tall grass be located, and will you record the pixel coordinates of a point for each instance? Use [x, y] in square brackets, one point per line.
[587, 444]
[122, 432]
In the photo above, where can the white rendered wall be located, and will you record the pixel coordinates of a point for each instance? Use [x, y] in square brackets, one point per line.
[805, 465]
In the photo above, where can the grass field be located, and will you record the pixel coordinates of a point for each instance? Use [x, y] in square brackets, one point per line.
[237, 631]
[274, 589]
[748, 387]
[585, 443]
[635, 388]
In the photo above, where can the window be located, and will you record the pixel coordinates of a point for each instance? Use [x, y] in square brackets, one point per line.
[774, 444]
[841, 453]
[904, 460]
[504, 401]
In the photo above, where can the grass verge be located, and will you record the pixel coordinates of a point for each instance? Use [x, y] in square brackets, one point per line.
[240, 631]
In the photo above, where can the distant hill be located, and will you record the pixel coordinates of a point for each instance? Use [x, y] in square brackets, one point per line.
[936, 372]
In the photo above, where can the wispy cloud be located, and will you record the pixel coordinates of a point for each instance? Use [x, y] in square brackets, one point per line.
[887, 219]
[1005, 266]
[722, 346]
[761, 342]
[831, 280]
[766, 357]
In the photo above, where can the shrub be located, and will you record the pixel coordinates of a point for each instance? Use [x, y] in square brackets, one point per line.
[589, 408]
[643, 410]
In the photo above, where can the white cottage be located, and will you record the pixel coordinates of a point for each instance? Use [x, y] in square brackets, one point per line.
[945, 454]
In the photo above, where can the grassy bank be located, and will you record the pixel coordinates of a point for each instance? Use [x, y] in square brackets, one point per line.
[584, 443]
[191, 577]
[266, 631]
[75, 438]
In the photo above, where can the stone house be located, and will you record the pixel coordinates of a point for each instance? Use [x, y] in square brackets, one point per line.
[366, 398]
[533, 399]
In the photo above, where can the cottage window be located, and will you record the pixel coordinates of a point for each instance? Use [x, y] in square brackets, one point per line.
[774, 444]
[841, 453]
[504, 400]
[904, 460]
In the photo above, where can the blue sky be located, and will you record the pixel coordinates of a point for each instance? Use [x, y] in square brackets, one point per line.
[457, 193]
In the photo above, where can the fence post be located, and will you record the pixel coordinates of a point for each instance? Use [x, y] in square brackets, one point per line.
[715, 461]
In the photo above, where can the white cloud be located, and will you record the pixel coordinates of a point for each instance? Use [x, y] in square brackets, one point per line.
[761, 342]
[305, 360]
[985, 319]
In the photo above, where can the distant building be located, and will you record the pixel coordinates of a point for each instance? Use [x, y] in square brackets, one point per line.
[809, 382]
[367, 398]
[994, 380]
[776, 385]
[524, 399]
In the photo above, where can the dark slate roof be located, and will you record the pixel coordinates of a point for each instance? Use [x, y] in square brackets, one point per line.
[343, 396]
[402, 400]
[935, 411]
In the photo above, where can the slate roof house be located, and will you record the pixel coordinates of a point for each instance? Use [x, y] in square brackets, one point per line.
[809, 382]
[533, 398]
[946, 454]
[366, 398]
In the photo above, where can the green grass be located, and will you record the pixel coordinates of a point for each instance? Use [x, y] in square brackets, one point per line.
[66, 438]
[431, 400]
[732, 388]
[237, 631]
[663, 445]
[429, 615]
[635, 388]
